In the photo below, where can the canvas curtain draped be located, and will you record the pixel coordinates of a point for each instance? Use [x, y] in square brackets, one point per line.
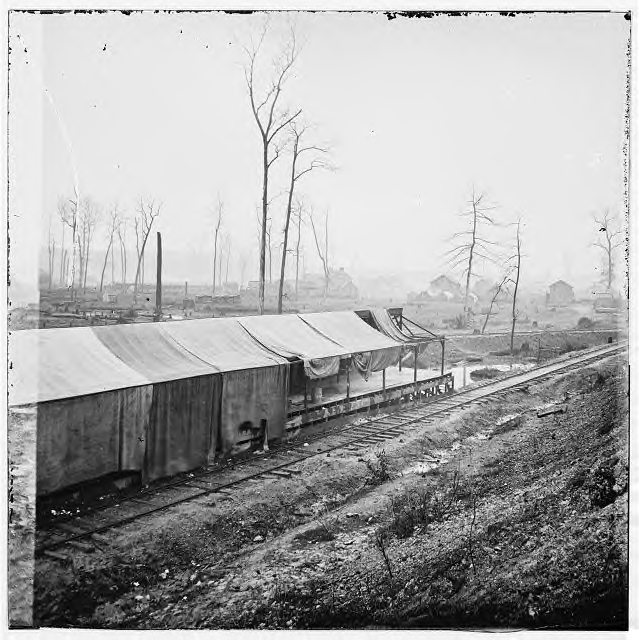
[248, 398]
[82, 438]
[183, 423]
[321, 367]
[371, 361]
[385, 324]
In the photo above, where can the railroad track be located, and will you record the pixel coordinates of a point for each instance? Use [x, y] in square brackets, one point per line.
[83, 531]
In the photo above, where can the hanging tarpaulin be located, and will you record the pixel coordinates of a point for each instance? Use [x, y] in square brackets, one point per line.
[183, 425]
[385, 324]
[253, 406]
[371, 361]
[372, 350]
[83, 438]
[321, 367]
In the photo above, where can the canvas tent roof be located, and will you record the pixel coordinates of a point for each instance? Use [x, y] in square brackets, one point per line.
[349, 330]
[222, 342]
[291, 337]
[51, 364]
[149, 351]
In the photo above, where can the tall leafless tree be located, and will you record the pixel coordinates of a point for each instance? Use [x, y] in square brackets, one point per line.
[471, 244]
[298, 217]
[51, 254]
[121, 230]
[229, 242]
[218, 224]
[515, 259]
[610, 238]
[111, 231]
[63, 213]
[147, 212]
[498, 289]
[71, 220]
[243, 265]
[322, 253]
[89, 219]
[269, 246]
[270, 121]
[304, 159]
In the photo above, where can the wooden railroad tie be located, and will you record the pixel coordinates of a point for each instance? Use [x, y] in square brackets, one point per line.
[56, 555]
[83, 546]
[561, 408]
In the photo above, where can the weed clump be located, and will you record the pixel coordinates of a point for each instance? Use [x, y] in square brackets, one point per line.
[378, 469]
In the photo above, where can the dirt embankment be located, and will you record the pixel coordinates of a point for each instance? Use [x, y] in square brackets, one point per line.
[461, 523]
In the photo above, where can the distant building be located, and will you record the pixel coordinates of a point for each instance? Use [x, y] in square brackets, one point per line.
[340, 285]
[444, 287]
[559, 294]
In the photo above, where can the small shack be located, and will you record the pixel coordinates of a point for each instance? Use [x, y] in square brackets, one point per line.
[560, 294]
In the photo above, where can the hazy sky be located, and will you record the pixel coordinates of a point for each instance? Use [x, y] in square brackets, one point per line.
[529, 109]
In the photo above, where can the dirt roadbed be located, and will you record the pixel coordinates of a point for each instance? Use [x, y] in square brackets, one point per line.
[493, 517]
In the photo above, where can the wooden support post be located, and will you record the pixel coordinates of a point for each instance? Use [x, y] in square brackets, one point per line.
[443, 355]
[158, 281]
[305, 397]
[384, 380]
[401, 350]
[348, 378]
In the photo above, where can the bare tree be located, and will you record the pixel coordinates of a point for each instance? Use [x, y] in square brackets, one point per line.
[471, 244]
[322, 253]
[63, 214]
[243, 264]
[269, 246]
[270, 121]
[228, 257]
[121, 230]
[516, 258]
[89, 220]
[147, 213]
[498, 289]
[115, 219]
[51, 255]
[300, 166]
[610, 240]
[71, 220]
[218, 224]
[298, 217]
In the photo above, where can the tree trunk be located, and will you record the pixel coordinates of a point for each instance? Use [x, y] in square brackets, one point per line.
[470, 257]
[264, 216]
[286, 225]
[512, 331]
[137, 271]
[106, 257]
[297, 255]
[609, 260]
[158, 280]
[86, 265]
[62, 280]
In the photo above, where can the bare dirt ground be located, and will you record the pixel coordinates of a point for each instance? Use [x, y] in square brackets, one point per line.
[463, 523]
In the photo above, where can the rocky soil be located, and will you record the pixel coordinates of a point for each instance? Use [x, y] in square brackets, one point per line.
[493, 517]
